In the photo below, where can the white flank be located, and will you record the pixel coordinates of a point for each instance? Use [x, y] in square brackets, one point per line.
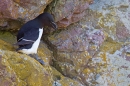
[33, 49]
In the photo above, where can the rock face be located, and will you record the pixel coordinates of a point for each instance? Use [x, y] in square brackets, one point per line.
[17, 70]
[68, 11]
[90, 48]
[114, 19]
[26, 9]
[60, 80]
[16, 10]
[116, 72]
[21, 70]
[75, 47]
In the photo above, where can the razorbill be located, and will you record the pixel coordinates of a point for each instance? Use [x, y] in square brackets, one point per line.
[29, 35]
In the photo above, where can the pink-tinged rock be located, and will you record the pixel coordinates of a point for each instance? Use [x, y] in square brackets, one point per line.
[122, 32]
[67, 12]
[24, 9]
[126, 52]
[74, 48]
[128, 76]
[8, 9]
[19, 11]
[28, 10]
[77, 39]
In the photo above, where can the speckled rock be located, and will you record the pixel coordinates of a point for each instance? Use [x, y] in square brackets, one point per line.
[60, 80]
[26, 9]
[21, 70]
[114, 67]
[67, 12]
[19, 11]
[95, 51]
[113, 17]
[44, 53]
[9, 39]
[75, 47]
[87, 50]
[8, 9]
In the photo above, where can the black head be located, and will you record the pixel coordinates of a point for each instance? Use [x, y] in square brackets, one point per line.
[47, 20]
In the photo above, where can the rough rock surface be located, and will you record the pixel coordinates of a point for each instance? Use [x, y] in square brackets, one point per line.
[60, 80]
[75, 47]
[92, 47]
[21, 70]
[68, 11]
[116, 72]
[113, 17]
[17, 10]
[26, 9]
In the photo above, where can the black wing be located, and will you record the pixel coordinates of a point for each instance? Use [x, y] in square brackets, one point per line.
[28, 37]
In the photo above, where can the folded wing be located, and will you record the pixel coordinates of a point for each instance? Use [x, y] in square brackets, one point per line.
[28, 37]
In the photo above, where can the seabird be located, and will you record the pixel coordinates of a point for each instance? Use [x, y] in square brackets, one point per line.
[29, 35]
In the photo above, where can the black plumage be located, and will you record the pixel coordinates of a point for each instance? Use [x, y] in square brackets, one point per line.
[29, 35]
[30, 29]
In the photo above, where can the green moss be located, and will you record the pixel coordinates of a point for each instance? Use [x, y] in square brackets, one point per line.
[25, 70]
[8, 37]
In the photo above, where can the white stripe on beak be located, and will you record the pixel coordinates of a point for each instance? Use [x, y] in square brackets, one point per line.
[54, 24]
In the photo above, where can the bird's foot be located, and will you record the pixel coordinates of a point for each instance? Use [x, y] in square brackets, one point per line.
[35, 56]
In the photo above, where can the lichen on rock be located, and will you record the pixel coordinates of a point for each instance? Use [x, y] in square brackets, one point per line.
[68, 12]
[21, 70]
[90, 48]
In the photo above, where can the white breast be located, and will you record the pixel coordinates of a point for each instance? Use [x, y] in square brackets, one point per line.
[33, 49]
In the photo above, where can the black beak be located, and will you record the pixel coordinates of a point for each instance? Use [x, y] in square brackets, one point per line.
[54, 25]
